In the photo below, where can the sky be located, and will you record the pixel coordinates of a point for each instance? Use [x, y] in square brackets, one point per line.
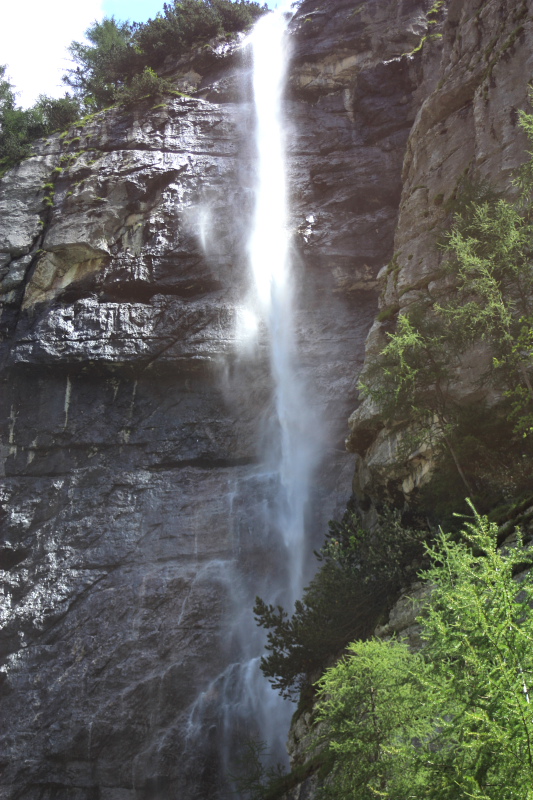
[35, 34]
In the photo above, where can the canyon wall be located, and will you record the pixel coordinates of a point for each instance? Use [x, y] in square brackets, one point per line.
[466, 128]
[132, 502]
[474, 78]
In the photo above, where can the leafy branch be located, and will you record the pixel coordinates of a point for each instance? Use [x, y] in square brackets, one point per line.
[454, 720]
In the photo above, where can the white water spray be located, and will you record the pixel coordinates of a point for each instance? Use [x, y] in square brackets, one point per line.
[269, 247]
[239, 702]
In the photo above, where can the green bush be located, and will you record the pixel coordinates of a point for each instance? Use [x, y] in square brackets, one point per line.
[361, 574]
[186, 22]
[489, 255]
[19, 127]
[105, 65]
[117, 65]
[372, 704]
[454, 721]
[57, 113]
[146, 85]
[120, 52]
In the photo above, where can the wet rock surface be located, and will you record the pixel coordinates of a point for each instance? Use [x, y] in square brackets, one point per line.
[133, 497]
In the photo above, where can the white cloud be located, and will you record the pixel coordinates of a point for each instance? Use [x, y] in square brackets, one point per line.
[34, 36]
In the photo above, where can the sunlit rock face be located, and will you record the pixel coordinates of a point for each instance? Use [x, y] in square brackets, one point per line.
[132, 414]
[122, 449]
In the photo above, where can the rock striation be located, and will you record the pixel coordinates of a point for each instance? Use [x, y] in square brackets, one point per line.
[132, 420]
[475, 81]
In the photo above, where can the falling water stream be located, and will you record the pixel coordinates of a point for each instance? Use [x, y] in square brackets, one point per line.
[270, 257]
[246, 703]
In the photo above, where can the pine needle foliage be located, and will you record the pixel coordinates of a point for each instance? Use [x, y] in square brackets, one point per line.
[183, 23]
[453, 721]
[488, 257]
[118, 63]
[372, 704]
[410, 381]
[490, 254]
[118, 52]
[360, 576]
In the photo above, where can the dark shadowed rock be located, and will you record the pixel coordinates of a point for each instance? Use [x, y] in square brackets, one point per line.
[467, 123]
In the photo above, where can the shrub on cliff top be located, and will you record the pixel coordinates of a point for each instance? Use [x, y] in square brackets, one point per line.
[117, 64]
[19, 127]
[184, 22]
[119, 52]
[104, 65]
[147, 84]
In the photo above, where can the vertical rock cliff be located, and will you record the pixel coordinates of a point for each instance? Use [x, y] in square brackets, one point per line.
[473, 80]
[131, 420]
[466, 129]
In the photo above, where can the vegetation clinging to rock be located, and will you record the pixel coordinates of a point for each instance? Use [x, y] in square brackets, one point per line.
[452, 721]
[361, 574]
[488, 258]
[184, 22]
[118, 64]
[19, 127]
[119, 52]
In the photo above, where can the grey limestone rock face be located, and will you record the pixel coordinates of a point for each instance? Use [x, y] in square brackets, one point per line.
[133, 497]
[122, 451]
[471, 84]
[474, 84]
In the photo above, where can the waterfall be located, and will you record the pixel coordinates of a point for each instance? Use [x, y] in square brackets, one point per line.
[291, 447]
[245, 704]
